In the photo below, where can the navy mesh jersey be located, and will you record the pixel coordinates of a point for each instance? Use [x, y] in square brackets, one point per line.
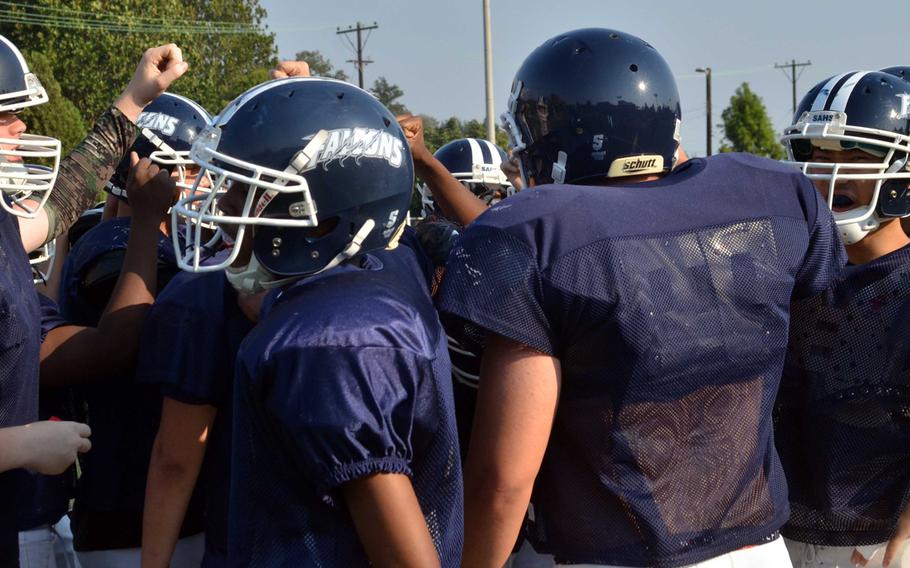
[843, 412]
[345, 376]
[45, 498]
[20, 341]
[667, 304]
[123, 414]
[190, 337]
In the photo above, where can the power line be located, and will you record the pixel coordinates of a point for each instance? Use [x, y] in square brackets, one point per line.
[50, 16]
[360, 62]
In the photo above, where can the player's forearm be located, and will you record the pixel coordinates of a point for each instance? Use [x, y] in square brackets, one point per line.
[389, 521]
[168, 490]
[494, 513]
[121, 322]
[14, 448]
[455, 200]
[85, 170]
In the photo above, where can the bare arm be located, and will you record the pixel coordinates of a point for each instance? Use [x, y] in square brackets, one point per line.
[455, 200]
[516, 403]
[389, 521]
[176, 461]
[68, 354]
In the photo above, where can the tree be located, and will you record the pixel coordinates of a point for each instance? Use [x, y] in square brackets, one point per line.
[320, 66]
[388, 94]
[747, 127]
[93, 53]
[58, 117]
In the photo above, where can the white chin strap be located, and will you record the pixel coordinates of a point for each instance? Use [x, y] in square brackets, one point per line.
[853, 233]
[253, 278]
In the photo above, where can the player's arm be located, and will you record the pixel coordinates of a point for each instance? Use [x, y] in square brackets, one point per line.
[69, 352]
[389, 521]
[45, 447]
[177, 457]
[85, 170]
[516, 402]
[455, 200]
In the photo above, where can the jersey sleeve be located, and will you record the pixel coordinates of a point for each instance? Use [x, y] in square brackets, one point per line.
[825, 256]
[181, 351]
[344, 413]
[50, 316]
[493, 281]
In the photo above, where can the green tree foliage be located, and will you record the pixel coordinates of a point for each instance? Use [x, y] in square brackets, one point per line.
[320, 66]
[438, 134]
[58, 117]
[93, 63]
[747, 127]
[388, 94]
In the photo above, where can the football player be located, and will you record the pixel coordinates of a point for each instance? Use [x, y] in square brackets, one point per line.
[635, 319]
[345, 450]
[124, 414]
[842, 410]
[47, 447]
[475, 163]
[69, 356]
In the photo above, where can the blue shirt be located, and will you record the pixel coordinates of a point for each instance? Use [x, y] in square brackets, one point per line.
[20, 342]
[843, 424]
[346, 375]
[667, 304]
[190, 337]
[123, 414]
[45, 498]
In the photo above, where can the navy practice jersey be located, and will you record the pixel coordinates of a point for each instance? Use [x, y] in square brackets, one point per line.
[437, 237]
[45, 498]
[667, 304]
[345, 376]
[190, 337]
[123, 414]
[843, 412]
[20, 341]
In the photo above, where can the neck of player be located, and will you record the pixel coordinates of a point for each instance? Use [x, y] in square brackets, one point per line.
[887, 239]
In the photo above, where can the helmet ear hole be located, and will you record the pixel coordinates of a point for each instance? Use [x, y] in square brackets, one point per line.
[894, 199]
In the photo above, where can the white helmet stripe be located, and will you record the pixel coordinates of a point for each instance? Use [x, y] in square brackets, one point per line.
[476, 152]
[822, 97]
[496, 159]
[842, 96]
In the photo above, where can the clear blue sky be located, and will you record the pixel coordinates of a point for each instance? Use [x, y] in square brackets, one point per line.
[433, 49]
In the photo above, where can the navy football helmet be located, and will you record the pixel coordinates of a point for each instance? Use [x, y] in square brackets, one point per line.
[901, 71]
[475, 163]
[865, 110]
[590, 104]
[168, 127]
[329, 174]
[29, 163]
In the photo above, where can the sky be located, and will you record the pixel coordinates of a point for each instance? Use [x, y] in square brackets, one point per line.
[433, 49]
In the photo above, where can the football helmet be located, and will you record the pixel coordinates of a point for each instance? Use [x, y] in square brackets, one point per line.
[865, 110]
[593, 103]
[29, 163]
[168, 126]
[328, 175]
[901, 71]
[476, 164]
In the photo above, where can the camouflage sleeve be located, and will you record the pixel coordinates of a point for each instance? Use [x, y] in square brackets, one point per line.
[87, 168]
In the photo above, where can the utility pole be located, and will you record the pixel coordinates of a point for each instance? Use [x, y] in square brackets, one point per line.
[792, 76]
[360, 62]
[488, 63]
[707, 72]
